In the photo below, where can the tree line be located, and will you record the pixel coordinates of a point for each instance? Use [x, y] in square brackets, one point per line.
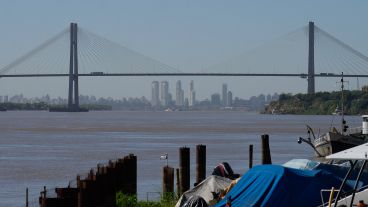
[355, 102]
[42, 106]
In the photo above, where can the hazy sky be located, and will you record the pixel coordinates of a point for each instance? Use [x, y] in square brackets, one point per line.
[190, 35]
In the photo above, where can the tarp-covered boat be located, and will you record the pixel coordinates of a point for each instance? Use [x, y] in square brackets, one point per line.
[274, 185]
[204, 189]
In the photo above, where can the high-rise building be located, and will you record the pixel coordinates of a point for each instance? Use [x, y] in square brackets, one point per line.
[186, 102]
[229, 98]
[191, 94]
[268, 98]
[164, 93]
[155, 102]
[169, 99]
[275, 97]
[179, 94]
[216, 99]
[224, 94]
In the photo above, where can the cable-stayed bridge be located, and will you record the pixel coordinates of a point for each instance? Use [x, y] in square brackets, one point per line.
[307, 52]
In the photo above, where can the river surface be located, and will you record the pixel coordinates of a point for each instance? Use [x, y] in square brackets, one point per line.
[49, 149]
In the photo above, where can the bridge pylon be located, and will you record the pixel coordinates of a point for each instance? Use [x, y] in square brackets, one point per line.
[311, 84]
[73, 95]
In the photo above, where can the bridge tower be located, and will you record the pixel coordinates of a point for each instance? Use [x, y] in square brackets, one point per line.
[311, 84]
[73, 102]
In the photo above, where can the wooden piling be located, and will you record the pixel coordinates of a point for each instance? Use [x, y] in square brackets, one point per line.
[184, 155]
[250, 156]
[201, 163]
[43, 198]
[100, 184]
[266, 153]
[130, 180]
[168, 180]
[110, 198]
[178, 191]
[26, 197]
[80, 192]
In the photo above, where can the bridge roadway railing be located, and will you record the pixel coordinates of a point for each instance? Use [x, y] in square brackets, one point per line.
[301, 75]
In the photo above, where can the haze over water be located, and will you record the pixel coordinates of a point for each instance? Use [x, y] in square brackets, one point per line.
[49, 149]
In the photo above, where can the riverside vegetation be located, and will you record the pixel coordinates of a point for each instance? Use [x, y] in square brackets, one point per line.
[321, 103]
[42, 106]
[123, 200]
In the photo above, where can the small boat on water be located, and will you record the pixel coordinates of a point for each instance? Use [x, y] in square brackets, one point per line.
[335, 140]
[275, 112]
[337, 111]
[66, 109]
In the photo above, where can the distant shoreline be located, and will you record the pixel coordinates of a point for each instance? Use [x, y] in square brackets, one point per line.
[41, 106]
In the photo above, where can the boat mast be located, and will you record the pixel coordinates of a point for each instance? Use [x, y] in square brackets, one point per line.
[343, 122]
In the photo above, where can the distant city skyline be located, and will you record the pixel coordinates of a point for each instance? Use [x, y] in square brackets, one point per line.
[254, 103]
[161, 95]
[185, 86]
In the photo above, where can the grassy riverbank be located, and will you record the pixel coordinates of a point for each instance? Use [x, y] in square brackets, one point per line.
[123, 200]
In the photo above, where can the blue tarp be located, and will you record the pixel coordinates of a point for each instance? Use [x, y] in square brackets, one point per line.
[274, 185]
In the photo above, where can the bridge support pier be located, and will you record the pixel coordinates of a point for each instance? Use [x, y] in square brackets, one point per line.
[311, 84]
[73, 102]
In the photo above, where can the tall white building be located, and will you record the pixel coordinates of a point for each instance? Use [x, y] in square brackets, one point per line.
[179, 94]
[224, 94]
[165, 93]
[155, 102]
[191, 94]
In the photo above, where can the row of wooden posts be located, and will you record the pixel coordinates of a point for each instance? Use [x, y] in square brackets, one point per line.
[99, 188]
[183, 172]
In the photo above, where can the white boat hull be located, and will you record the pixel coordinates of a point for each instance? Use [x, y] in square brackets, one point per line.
[332, 142]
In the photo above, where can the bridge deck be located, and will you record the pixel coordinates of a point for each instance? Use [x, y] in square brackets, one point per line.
[302, 75]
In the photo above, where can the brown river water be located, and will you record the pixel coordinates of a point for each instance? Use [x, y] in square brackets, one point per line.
[49, 149]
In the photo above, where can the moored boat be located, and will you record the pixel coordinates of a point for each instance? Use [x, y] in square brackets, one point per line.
[66, 109]
[335, 140]
[337, 111]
